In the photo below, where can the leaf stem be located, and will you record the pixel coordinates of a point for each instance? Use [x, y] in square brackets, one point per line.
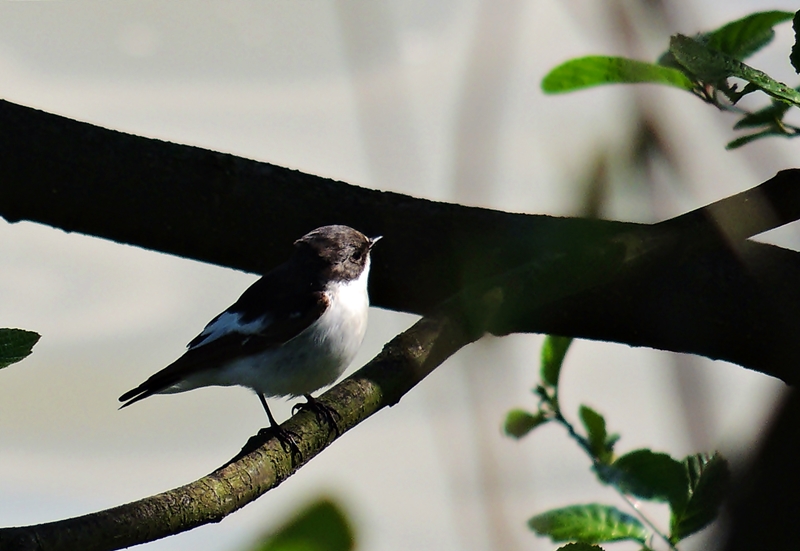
[550, 400]
[633, 505]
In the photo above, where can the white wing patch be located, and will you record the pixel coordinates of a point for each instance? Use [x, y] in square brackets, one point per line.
[230, 322]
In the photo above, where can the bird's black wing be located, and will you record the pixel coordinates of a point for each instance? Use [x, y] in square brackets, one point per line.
[274, 310]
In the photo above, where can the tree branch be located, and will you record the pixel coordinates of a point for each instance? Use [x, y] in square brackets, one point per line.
[262, 464]
[696, 286]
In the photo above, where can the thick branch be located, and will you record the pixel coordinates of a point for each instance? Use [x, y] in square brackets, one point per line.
[699, 288]
[261, 465]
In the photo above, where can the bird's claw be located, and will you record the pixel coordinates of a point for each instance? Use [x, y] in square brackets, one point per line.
[287, 439]
[324, 413]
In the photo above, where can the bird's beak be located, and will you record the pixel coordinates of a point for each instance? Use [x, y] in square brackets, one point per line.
[374, 240]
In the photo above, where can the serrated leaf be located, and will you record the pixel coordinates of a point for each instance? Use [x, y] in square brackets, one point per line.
[589, 71]
[709, 479]
[322, 526]
[744, 37]
[709, 65]
[579, 546]
[16, 345]
[592, 523]
[705, 64]
[650, 476]
[596, 434]
[519, 422]
[553, 351]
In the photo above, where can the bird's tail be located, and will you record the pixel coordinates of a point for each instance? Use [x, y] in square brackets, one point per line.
[139, 393]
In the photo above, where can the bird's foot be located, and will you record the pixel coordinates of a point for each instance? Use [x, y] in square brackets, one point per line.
[287, 438]
[323, 413]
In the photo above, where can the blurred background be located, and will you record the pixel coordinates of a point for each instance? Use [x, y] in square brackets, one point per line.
[435, 99]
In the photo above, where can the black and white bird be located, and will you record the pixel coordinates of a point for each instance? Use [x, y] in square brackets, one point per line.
[292, 332]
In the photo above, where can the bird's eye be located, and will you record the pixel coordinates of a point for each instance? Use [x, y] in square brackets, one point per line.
[358, 254]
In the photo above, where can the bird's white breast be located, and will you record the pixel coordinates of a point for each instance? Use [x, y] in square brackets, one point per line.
[316, 357]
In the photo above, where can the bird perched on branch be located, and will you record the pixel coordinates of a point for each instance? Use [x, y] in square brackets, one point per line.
[292, 332]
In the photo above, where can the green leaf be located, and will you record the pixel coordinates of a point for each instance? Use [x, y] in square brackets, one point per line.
[744, 37]
[744, 140]
[15, 345]
[586, 72]
[769, 115]
[767, 84]
[594, 423]
[611, 440]
[579, 546]
[709, 65]
[709, 479]
[703, 63]
[553, 351]
[794, 57]
[649, 475]
[322, 526]
[519, 422]
[593, 523]
[600, 442]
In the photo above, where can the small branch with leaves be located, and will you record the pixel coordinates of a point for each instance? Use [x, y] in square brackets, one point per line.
[693, 487]
[703, 64]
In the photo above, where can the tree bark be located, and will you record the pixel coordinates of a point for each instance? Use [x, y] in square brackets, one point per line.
[262, 464]
[696, 286]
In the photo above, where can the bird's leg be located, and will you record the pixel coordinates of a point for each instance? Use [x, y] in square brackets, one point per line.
[285, 437]
[323, 413]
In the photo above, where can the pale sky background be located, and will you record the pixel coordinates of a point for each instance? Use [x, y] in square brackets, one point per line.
[393, 95]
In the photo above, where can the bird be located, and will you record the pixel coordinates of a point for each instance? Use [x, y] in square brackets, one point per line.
[292, 332]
